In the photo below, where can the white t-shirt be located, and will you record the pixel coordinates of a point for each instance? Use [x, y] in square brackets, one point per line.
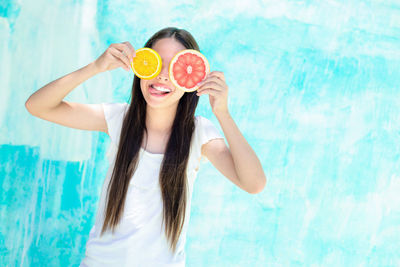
[139, 239]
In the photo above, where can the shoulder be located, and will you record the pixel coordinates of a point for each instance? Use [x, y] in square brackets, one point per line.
[114, 114]
[206, 129]
[202, 121]
[111, 109]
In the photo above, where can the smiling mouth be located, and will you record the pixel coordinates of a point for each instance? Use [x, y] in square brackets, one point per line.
[158, 90]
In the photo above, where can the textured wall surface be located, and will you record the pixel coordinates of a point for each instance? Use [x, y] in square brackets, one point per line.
[313, 86]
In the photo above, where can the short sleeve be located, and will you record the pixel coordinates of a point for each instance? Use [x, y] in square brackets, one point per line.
[206, 132]
[114, 115]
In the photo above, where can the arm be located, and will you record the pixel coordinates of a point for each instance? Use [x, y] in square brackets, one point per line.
[239, 162]
[51, 95]
[47, 103]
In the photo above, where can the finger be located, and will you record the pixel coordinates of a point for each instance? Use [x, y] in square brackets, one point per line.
[119, 48]
[212, 81]
[218, 74]
[215, 87]
[213, 76]
[121, 64]
[131, 49]
[125, 50]
[210, 91]
[116, 53]
[212, 84]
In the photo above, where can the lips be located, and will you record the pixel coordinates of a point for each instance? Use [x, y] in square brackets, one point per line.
[161, 85]
[158, 93]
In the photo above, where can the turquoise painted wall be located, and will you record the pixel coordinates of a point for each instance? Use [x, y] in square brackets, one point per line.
[313, 86]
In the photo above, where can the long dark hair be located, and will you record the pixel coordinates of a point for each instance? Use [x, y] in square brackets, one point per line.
[172, 178]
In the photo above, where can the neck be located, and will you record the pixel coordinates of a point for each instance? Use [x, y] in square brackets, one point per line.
[160, 120]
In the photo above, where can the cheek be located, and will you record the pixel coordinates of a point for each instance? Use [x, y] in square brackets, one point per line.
[179, 94]
[142, 85]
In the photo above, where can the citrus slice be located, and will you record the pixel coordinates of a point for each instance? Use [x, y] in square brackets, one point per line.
[187, 68]
[147, 63]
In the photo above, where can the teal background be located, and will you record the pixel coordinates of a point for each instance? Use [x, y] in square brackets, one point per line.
[313, 86]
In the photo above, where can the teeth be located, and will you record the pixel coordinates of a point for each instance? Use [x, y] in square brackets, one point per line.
[161, 88]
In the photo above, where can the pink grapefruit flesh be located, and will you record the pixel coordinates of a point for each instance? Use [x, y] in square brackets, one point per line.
[187, 68]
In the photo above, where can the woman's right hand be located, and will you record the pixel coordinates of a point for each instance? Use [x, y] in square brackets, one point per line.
[116, 55]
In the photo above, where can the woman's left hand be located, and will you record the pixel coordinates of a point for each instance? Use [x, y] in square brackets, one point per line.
[214, 85]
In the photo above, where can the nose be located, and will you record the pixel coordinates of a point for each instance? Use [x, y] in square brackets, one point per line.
[163, 75]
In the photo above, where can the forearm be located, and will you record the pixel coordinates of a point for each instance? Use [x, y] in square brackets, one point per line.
[50, 95]
[248, 166]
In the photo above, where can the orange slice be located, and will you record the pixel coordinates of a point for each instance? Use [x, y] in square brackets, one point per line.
[187, 68]
[147, 63]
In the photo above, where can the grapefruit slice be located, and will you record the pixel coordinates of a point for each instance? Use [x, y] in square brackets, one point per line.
[147, 63]
[187, 68]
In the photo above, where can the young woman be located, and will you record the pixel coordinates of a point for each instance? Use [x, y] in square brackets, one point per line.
[156, 147]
